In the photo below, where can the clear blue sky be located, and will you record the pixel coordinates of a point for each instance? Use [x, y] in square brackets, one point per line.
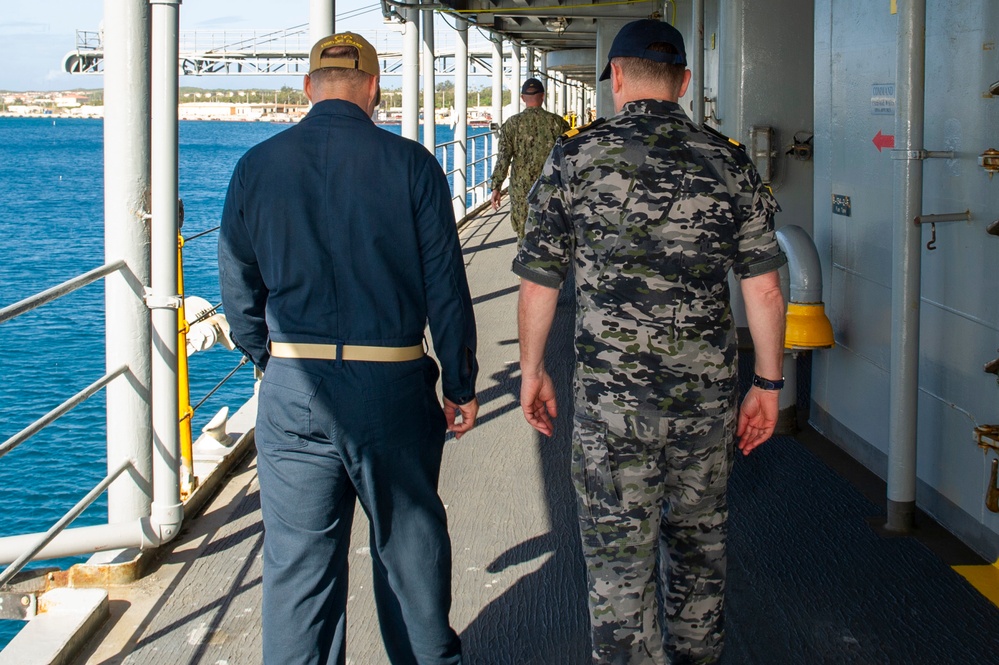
[36, 35]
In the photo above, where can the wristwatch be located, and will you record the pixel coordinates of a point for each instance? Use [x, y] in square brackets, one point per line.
[767, 384]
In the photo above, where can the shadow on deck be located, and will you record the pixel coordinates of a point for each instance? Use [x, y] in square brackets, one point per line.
[810, 581]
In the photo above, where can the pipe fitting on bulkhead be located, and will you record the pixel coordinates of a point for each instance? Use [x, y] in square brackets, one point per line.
[807, 325]
[989, 160]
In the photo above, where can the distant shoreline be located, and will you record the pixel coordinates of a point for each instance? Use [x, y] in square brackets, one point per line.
[66, 116]
[273, 121]
[279, 117]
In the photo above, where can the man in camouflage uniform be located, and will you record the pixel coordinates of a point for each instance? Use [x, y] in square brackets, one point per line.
[650, 211]
[525, 139]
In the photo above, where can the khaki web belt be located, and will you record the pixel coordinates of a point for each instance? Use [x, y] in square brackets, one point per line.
[381, 354]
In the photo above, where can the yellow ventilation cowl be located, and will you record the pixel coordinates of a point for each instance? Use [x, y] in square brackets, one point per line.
[807, 327]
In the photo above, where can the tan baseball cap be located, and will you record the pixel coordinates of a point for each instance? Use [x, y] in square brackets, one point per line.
[367, 60]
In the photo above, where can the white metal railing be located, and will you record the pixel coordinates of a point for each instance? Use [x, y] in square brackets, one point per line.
[6, 314]
[478, 169]
[89, 40]
[27, 547]
[294, 40]
[281, 51]
[59, 411]
[64, 521]
[67, 287]
[278, 52]
[482, 166]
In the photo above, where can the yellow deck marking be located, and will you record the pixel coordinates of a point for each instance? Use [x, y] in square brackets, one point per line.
[983, 578]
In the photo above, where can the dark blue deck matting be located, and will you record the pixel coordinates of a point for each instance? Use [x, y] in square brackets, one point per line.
[811, 582]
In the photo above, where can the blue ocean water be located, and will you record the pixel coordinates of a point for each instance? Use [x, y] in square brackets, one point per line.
[51, 222]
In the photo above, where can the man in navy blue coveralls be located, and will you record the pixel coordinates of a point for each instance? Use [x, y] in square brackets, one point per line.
[338, 245]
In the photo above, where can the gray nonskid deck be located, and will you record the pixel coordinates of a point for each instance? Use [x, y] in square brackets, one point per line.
[810, 582]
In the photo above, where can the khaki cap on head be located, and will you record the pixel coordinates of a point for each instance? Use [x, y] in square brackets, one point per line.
[367, 60]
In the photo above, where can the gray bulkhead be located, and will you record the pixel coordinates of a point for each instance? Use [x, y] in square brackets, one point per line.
[766, 67]
[959, 312]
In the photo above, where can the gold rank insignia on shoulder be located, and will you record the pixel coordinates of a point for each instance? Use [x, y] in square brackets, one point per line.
[575, 130]
[711, 130]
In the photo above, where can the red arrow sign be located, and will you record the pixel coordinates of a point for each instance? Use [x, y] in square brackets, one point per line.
[884, 140]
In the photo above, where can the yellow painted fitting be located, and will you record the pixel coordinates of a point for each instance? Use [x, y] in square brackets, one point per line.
[807, 327]
[984, 578]
[186, 413]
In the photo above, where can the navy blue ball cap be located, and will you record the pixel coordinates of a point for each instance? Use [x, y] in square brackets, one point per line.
[634, 39]
[531, 87]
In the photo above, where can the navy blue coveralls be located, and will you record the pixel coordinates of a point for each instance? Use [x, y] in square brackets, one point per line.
[336, 231]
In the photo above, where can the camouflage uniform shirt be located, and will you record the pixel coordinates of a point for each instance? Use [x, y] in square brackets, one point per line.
[651, 212]
[525, 139]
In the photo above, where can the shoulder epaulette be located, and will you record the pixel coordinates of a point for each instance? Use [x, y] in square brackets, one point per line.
[572, 132]
[711, 130]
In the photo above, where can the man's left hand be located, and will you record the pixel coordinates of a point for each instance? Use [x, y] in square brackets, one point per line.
[757, 418]
[495, 198]
[468, 411]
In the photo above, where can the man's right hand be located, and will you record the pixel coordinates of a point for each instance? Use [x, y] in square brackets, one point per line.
[537, 399]
[496, 198]
[757, 418]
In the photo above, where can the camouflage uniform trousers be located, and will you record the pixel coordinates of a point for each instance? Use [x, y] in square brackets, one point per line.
[648, 488]
[518, 206]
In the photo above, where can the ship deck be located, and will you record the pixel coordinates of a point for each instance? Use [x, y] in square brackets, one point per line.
[811, 578]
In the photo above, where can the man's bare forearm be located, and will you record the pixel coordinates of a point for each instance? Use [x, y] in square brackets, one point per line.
[535, 313]
[765, 315]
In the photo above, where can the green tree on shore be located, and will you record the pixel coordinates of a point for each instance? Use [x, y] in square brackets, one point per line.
[444, 97]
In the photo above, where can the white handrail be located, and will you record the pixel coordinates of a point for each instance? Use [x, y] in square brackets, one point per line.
[66, 519]
[57, 291]
[473, 165]
[59, 411]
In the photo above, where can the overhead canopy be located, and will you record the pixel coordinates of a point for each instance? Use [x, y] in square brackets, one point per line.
[567, 31]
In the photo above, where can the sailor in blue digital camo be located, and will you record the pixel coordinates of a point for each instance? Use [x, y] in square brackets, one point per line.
[651, 211]
[525, 141]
